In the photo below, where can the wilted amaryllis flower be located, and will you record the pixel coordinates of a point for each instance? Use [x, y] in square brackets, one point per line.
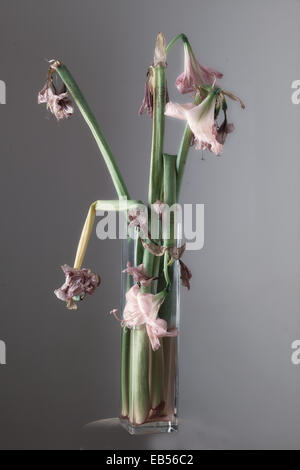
[194, 74]
[138, 218]
[201, 119]
[78, 283]
[142, 309]
[59, 104]
[139, 274]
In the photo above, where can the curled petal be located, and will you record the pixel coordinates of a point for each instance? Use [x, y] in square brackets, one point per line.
[178, 111]
[147, 103]
[71, 305]
[139, 274]
[59, 104]
[185, 275]
[176, 252]
[194, 74]
[156, 250]
[138, 218]
[224, 129]
[201, 120]
[78, 283]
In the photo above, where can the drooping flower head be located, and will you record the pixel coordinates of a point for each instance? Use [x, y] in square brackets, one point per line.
[194, 74]
[59, 103]
[78, 283]
[142, 309]
[201, 119]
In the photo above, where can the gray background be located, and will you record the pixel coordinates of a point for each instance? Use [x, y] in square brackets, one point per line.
[243, 311]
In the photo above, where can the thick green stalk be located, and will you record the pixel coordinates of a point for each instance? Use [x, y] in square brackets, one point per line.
[125, 371]
[91, 121]
[158, 391]
[139, 402]
[159, 101]
[170, 197]
[170, 177]
[139, 398]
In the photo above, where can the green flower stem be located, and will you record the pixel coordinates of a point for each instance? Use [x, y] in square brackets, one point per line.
[139, 401]
[184, 150]
[155, 189]
[159, 101]
[125, 371]
[170, 197]
[117, 205]
[139, 396]
[157, 384]
[157, 361]
[170, 183]
[170, 176]
[91, 121]
[171, 43]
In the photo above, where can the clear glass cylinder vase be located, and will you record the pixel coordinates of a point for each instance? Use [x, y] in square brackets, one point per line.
[149, 379]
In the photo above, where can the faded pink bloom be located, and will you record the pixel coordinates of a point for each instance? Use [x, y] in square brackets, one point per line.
[139, 274]
[224, 129]
[59, 104]
[78, 283]
[201, 119]
[194, 73]
[142, 309]
[138, 218]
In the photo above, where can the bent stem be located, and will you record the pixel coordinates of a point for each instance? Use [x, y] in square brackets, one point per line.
[121, 205]
[85, 236]
[91, 121]
[171, 43]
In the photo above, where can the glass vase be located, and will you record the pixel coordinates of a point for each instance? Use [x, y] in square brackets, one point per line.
[149, 379]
